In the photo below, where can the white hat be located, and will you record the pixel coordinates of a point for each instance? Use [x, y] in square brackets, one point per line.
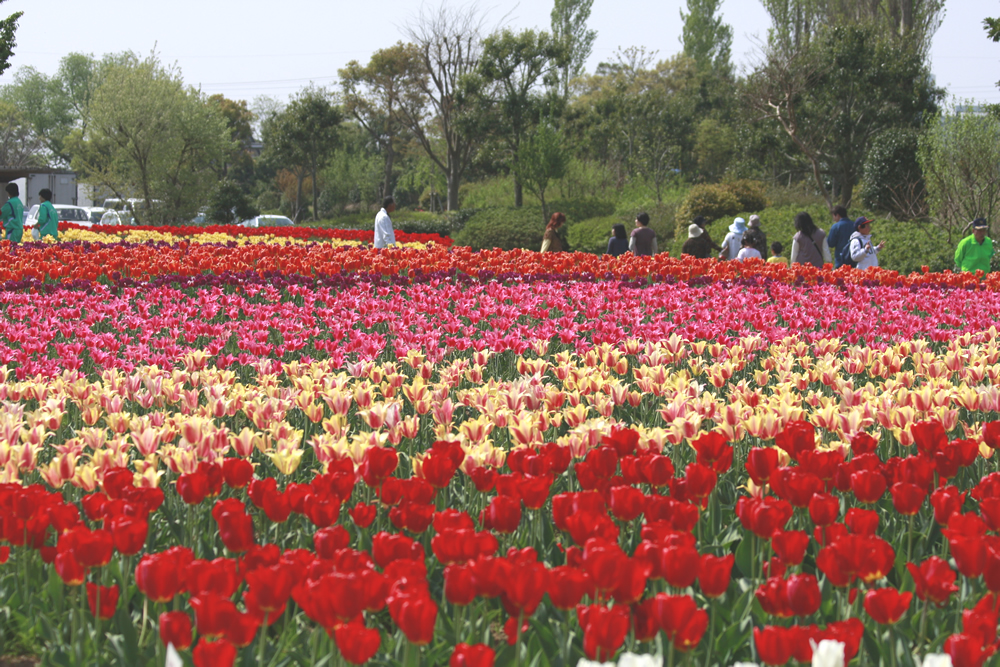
[694, 231]
[754, 220]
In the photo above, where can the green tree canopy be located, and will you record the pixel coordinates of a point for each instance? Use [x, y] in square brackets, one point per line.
[149, 136]
[707, 39]
[569, 28]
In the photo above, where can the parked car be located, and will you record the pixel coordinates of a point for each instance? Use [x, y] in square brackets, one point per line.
[267, 221]
[96, 213]
[76, 214]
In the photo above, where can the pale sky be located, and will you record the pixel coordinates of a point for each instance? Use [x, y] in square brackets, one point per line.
[252, 47]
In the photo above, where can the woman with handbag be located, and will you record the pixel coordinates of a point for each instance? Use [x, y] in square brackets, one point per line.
[809, 243]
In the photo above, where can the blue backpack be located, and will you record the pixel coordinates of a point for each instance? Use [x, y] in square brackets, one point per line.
[844, 256]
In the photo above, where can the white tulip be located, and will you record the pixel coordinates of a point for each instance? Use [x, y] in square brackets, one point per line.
[633, 660]
[936, 660]
[828, 653]
[593, 663]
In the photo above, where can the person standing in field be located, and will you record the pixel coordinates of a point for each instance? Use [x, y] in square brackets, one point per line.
[863, 252]
[384, 236]
[840, 236]
[48, 219]
[643, 241]
[698, 244]
[734, 239]
[808, 245]
[758, 239]
[550, 240]
[703, 222]
[12, 213]
[618, 243]
[975, 251]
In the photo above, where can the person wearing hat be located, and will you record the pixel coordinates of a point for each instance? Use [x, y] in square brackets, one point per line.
[756, 235]
[734, 239]
[12, 213]
[975, 251]
[861, 248]
[698, 244]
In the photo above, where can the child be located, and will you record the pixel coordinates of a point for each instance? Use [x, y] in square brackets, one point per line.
[776, 257]
[747, 251]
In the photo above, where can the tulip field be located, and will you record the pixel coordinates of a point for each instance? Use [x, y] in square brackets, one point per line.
[288, 448]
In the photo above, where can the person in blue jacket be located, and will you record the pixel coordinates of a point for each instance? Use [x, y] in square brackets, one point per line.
[840, 235]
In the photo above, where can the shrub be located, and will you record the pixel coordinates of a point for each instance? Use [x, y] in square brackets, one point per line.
[752, 195]
[505, 228]
[711, 201]
[592, 235]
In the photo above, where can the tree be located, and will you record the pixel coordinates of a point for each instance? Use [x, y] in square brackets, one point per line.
[713, 148]
[149, 135]
[543, 158]
[706, 38]
[239, 120]
[19, 145]
[7, 43]
[377, 97]
[310, 134]
[569, 28]
[914, 22]
[821, 94]
[959, 154]
[448, 45]
[229, 203]
[510, 68]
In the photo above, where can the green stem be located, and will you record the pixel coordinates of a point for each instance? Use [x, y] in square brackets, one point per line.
[517, 642]
[711, 635]
[923, 626]
[261, 641]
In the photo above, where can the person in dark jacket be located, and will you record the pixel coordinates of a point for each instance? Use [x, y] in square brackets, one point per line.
[703, 223]
[698, 244]
[618, 243]
[840, 235]
[643, 240]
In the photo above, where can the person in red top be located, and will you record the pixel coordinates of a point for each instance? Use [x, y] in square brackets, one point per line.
[643, 241]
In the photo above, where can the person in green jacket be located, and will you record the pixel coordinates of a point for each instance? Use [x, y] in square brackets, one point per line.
[12, 214]
[975, 252]
[48, 219]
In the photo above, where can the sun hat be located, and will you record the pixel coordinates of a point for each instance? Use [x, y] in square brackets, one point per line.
[739, 226]
[754, 220]
[694, 231]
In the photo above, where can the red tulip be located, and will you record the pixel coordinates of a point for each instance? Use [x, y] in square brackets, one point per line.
[242, 629]
[193, 487]
[690, 635]
[868, 485]
[103, 600]
[438, 469]
[357, 643]
[237, 472]
[969, 554]
[907, 498]
[934, 580]
[387, 547]
[626, 502]
[679, 565]
[967, 650]
[714, 574]
[327, 541]
[175, 628]
[159, 577]
[798, 436]
[116, 481]
[773, 644]
[415, 615]
[503, 514]
[714, 451]
[218, 653]
[217, 576]
[68, 569]
[476, 655]
[93, 548]
[824, 509]
[790, 545]
[236, 531]
[129, 534]
[761, 463]
[377, 465]
[672, 612]
[604, 630]
[524, 588]
[946, 502]
[632, 580]
[459, 584]
[271, 587]
[568, 585]
[861, 522]
[213, 614]
[887, 605]
[363, 515]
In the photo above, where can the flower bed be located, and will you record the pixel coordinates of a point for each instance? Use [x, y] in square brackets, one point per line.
[280, 466]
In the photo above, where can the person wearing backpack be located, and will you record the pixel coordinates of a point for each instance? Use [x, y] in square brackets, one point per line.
[12, 213]
[861, 248]
[839, 238]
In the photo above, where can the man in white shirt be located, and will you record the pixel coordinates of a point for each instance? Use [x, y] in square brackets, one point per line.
[384, 235]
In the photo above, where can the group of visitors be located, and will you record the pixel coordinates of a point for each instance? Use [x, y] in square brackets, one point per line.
[849, 242]
[12, 214]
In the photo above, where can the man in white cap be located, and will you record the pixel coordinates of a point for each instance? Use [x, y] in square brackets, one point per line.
[734, 239]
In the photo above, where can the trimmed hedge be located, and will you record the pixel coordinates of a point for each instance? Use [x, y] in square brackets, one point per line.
[505, 228]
